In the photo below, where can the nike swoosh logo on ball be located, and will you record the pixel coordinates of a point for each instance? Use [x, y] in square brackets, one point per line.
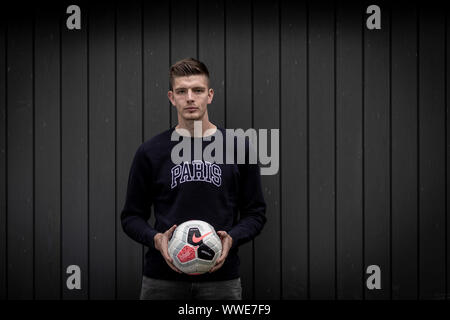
[196, 240]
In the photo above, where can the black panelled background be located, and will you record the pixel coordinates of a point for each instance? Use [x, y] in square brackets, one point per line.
[363, 140]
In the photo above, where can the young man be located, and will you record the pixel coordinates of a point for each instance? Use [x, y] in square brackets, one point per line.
[233, 204]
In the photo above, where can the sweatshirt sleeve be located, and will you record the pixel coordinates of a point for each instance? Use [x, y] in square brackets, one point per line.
[137, 208]
[252, 206]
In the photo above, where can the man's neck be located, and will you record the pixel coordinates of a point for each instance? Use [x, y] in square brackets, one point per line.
[207, 128]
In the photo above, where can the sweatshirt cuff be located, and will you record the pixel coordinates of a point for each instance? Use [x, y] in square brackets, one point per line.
[150, 237]
[235, 236]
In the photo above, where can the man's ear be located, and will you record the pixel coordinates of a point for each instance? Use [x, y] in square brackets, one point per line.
[210, 95]
[170, 96]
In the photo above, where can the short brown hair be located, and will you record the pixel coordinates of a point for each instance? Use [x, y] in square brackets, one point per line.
[187, 67]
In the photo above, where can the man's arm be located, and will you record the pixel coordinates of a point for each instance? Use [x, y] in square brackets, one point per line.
[136, 210]
[252, 209]
[252, 206]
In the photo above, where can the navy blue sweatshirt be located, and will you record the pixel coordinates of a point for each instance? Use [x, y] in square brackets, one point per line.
[227, 196]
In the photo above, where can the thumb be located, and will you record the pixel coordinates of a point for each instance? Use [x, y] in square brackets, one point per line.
[221, 234]
[170, 231]
[165, 251]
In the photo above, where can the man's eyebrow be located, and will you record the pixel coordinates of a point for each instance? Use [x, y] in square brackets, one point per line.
[183, 88]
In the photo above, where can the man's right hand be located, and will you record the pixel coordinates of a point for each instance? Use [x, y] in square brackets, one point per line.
[161, 241]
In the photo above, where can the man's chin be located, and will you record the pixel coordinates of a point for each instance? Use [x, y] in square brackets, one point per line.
[192, 117]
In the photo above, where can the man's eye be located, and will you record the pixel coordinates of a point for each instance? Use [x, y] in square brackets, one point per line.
[181, 91]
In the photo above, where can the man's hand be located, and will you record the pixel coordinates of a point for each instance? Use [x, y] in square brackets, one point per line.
[161, 241]
[227, 241]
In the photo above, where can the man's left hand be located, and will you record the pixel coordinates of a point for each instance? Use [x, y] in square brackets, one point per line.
[227, 241]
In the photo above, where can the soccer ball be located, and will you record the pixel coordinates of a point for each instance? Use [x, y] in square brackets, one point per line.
[194, 247]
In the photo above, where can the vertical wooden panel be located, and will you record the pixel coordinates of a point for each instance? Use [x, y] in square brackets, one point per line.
[322, 154]
[376, 153]
[447, 160]
[3, 155]
[20, 157]
[102, 226]
[157, 107]
[74, 149]
[183, 35]
[404, 151]
[266, 85]
[129, 136]
[431, 153]
[293, 150]
[156, 68]
[211, 51]
[48, 155]
[349, 150]
[239, 100]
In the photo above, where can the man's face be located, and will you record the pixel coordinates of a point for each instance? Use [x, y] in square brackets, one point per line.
[190, 95]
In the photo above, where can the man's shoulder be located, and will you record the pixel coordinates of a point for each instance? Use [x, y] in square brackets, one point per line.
[158, 141]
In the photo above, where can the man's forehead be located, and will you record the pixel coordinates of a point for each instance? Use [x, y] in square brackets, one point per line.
[198, 80]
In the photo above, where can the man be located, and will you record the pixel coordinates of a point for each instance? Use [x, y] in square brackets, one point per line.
[152, 182]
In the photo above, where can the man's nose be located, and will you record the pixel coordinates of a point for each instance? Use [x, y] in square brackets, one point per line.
[190, 95]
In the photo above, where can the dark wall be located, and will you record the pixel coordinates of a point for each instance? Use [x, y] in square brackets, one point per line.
[363, 140]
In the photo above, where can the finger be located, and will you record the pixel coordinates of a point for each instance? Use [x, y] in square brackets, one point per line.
[222, 257]
[166, 255]
[221, 234]
[223, 238]
[169, 261]
[170, 231]
[168, 258]
[220, 260]
[225, 250]
[173, 267]
[217, 266]
[176, 269]
[165, 251]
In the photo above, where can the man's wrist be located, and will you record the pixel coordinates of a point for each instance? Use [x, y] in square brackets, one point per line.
[234, 239]
[156, 239]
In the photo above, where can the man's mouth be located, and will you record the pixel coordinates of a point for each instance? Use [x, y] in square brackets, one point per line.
[191, 108]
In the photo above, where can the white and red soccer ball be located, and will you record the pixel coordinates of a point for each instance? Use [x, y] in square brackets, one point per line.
[194, 247]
